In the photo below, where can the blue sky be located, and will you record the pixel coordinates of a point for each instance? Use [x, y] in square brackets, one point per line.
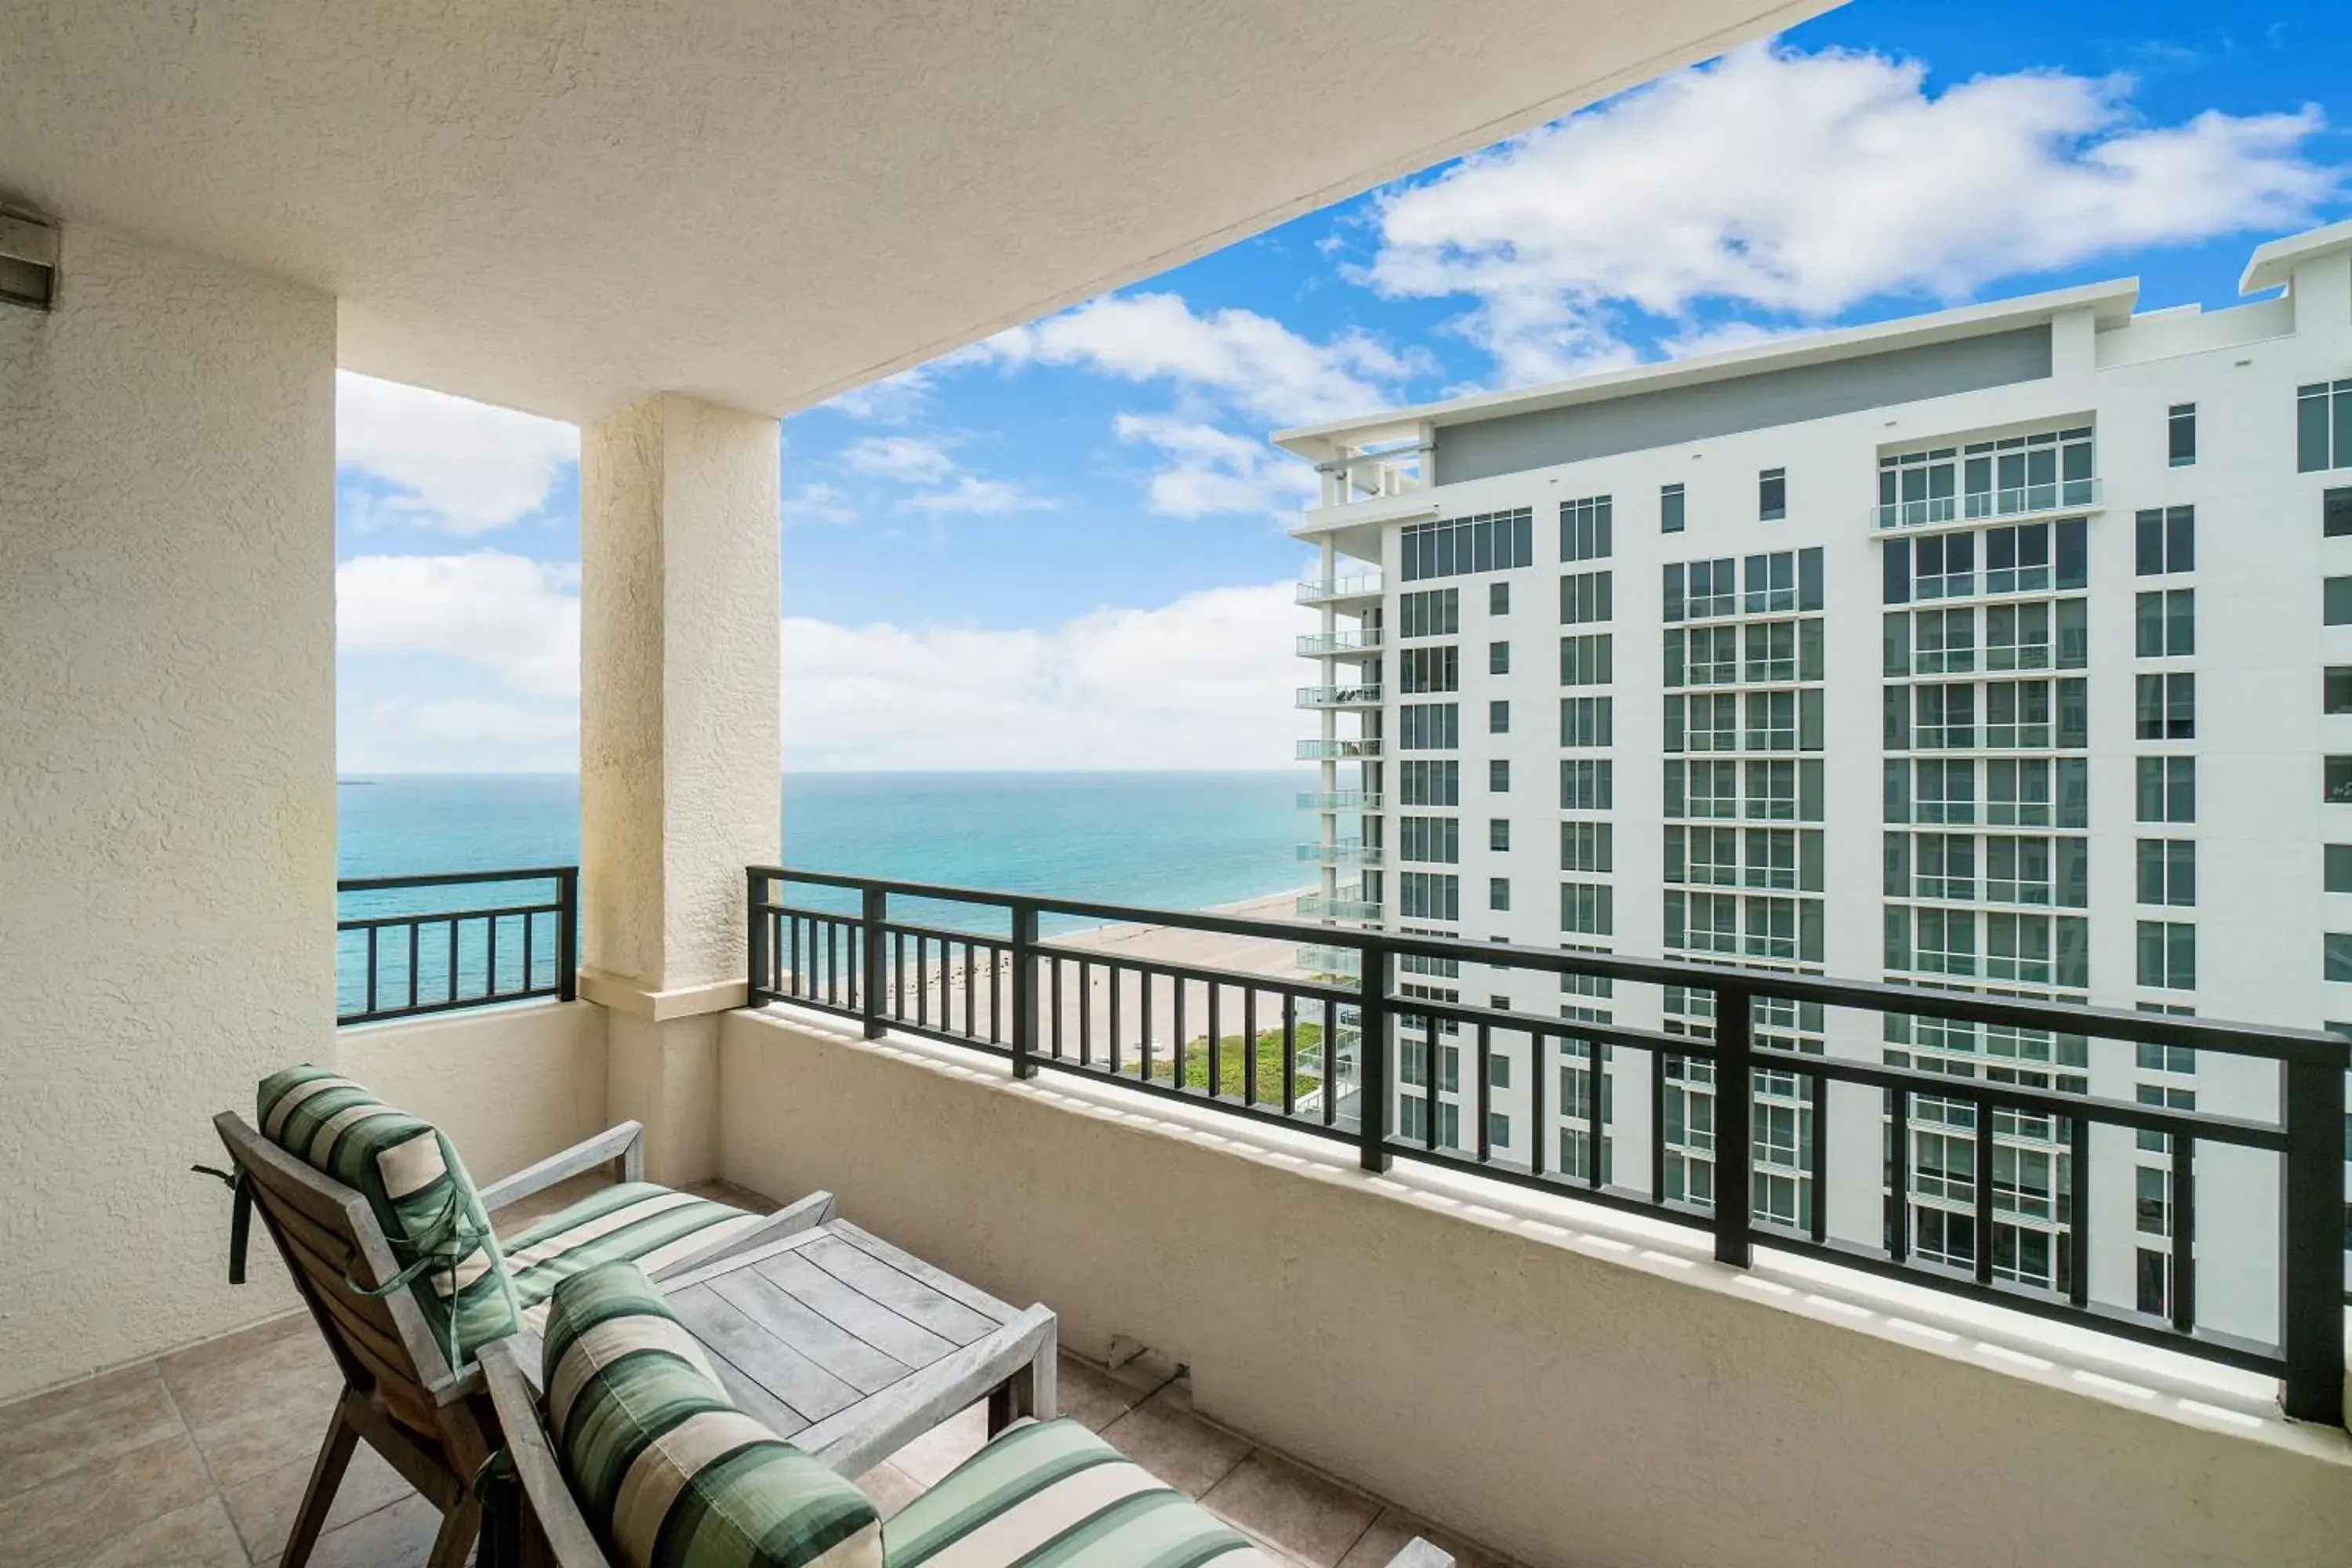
[1064, 547]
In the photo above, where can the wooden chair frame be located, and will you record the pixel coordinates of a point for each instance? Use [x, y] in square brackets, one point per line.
[547, 1530]
[435, 1424]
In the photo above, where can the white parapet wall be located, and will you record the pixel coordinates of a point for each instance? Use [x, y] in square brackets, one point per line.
[508, 1085]
[1564, 1403]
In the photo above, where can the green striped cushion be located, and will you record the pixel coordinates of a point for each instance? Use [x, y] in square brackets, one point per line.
[1051, 1493]
[650, 1226]
[669, 1473]
[418, 1189]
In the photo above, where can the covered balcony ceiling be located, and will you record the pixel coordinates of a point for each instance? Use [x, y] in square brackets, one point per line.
[559, 205]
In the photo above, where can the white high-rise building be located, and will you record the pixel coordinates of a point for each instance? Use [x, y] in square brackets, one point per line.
[2005, 648]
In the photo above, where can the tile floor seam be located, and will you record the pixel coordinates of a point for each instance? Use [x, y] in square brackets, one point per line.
[1378, 1510]
[204, 1461]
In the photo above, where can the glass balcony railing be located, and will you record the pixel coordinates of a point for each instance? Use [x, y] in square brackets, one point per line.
[1345, 852]
[1339, 750]
[1331, 590]
[1346, 904]
[1325, 645]
[1335, 962]
[1338, 697]
[1340, 800]
[2020, 501]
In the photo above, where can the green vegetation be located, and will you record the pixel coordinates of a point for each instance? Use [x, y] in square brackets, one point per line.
[1232, 1064]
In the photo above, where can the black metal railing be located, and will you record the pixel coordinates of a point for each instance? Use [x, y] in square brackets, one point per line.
[410, 945]
[1114, 1013]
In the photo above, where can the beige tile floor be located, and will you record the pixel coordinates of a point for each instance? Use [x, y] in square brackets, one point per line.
[197, 1459]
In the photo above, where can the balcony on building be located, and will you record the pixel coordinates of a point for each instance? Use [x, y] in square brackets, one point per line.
[1340, 696]
[1364, 587]
[1342, 852]
[1317, 1259]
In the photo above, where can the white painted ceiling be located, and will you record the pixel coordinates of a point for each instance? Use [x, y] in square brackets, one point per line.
[560, 205]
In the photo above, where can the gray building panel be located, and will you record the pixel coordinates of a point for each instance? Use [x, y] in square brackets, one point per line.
[1519, 442]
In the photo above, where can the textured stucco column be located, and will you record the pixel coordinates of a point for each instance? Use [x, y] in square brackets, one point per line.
[680, 756]
[167, 781]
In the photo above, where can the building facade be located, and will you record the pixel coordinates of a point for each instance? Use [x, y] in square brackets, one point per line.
[2004, 650]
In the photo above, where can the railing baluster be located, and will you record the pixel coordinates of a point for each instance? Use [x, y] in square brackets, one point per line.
[1086, 1013]
[1819, 1164]
[1486, 1081]
[2184, 1235]
[1898, 1176]
[567, 934]
[2078, 1211]
[1371, 1059]
[971, 992]
[1595, 1082]
[1054, 969]
[1216, 1044]
[526, 952]
[1291, 1053]
[453, 961]
[490, 959]
[2312, 1180]
[369, 1006]
[413, 926]
[1984, 1191]
[1024, 992]
[1143, 1055]
[1116, 989]
[1330, 1078]
[1658, 1126]
[874, 908]
[1249, 1045]
[1183, 1038]
[1537, 1134]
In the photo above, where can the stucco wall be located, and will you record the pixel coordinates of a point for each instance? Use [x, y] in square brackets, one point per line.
[167, 807]
[508, 1085]
[1570, 1408]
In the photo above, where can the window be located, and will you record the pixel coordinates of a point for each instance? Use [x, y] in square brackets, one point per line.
[1947, 793]
[1587, 909]
[1430, 783]
[2073, 617]
[2017, 947]
[1498, 598]
[1498, 834]
[2337, 871]
[2335, 602]
[2017, 559]
[1585, 597]
[2165, 624]
[1585, 847]
[1944, 567]
[1429, 670]
[1498, 893]
[1498, 717]
[1706, 655]
[1429, 613]
[2164, 1059]
[1707, 856]
[2018, 870]
[2017, 715]
[2180, 435]
[1772, 495]
[1771, 651]
[2168, 955]
[1702, 789]
[1430, 726]
[2339, 956]
[1946, 942]
[1670, 509]
[1946, 867]
[1498, 776]
[2323, 427]
[1587, 661]
[2168, 789]
[1585, 785]
[1586, 721]
[2167, 871]
[1429, 894]
[1772, 582]
[1945, 717]
[2017, 792]
[2165, 539]
[1706, 922]
[1915, 487]
[2335, 689]
[2336, 512]
[1947, 641]
[1584, 529]
[1697, 590]
[1429, 838]
[1491, 541]
[1498, 659]
[2017, 637]
[2166, 708]
[1771, 721]
[1772, 791]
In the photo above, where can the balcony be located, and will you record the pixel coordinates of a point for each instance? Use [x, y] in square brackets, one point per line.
[1353, 751]
[1340, 644]
[1340, 800]
[1338, 697]
[1321, 960]
[1346, 904]
[1345, 852]
[1341, 590]
[1993, 505]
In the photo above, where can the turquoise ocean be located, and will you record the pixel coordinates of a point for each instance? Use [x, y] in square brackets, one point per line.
[1172, 841]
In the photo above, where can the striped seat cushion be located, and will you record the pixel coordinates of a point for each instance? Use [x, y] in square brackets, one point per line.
[418, 1190]
[666, 1471]
[639, 1222]
[1049, 1494]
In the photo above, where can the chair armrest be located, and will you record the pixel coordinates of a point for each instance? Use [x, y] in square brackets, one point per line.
[626, 1143]
[571, 1544]
[858, 1438]
[793, 1218]
[1419, 1553]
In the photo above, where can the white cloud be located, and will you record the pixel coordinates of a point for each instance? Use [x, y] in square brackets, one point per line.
[893, 400]
[909, 459]
[461, 467]
[1263, 367]
[819, 503]
[1215, 470]
[1802, 184]
[969, 494]
[516, 617]
[457, 734]
[1204, 682]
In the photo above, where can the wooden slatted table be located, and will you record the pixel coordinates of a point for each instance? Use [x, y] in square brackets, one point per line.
[851, 1347]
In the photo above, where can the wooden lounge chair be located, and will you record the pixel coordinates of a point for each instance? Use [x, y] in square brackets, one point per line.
[538, 1521]
[432, 1422]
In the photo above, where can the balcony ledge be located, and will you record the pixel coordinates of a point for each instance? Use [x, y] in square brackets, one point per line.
[1558, 1317]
